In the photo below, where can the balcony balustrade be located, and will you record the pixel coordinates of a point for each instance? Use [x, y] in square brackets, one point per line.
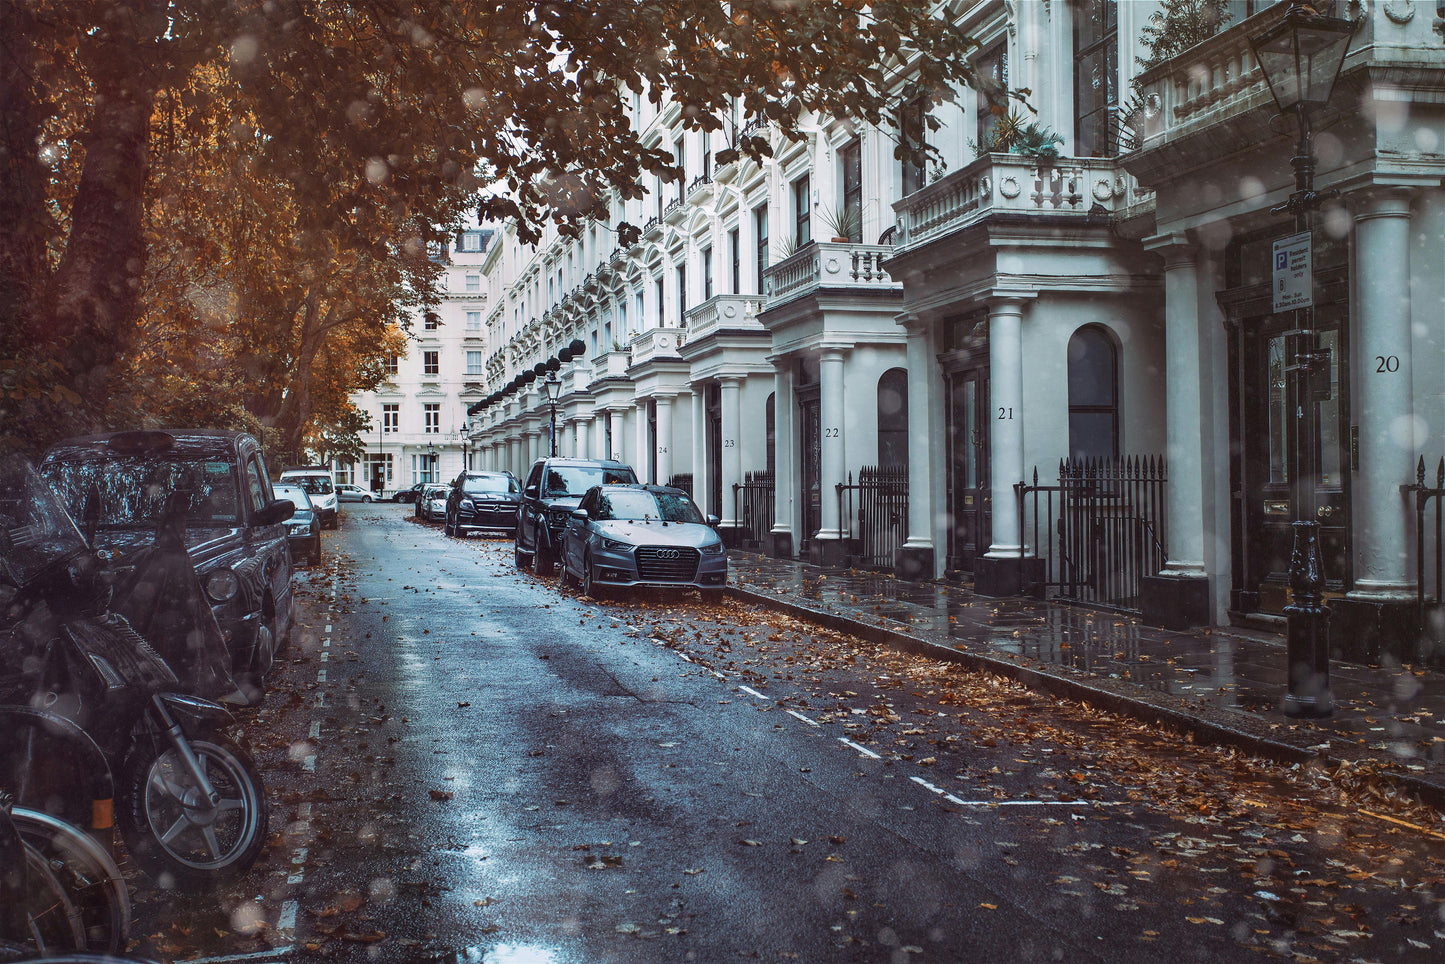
[657, 344]
[828, 265]
[1014, 183]
[730, 312]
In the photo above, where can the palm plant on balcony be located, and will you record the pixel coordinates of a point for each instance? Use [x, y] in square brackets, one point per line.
[844, 224]
[1011, 134]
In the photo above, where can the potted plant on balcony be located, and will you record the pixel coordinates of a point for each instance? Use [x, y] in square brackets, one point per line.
[1012, 135]
[845, 224]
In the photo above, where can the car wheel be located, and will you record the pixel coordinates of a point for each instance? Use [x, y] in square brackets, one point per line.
[366, 499]
[315, 556]
[544, 562]
[524, 559]
[447, 529]
[565, 575]
[589, 581]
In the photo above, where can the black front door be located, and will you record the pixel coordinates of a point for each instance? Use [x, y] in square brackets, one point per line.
[1265, 439]
[812, 462]
[970, 528]
[714, 451]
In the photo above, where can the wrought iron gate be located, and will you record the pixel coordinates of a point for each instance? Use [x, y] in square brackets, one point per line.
[1098, 531]
[753, 504]
[681, 480]
[881, 522]
[1430, 593]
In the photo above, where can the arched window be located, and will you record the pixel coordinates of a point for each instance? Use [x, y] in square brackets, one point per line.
[893, 417]
[1093, 394]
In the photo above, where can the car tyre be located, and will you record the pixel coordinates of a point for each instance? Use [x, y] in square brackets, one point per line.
[366, 500]
[590, 586]
[565, 576]
[544, 563]
[524, 559]
[448, 529]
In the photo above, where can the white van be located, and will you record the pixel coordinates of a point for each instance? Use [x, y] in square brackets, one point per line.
[317, 483]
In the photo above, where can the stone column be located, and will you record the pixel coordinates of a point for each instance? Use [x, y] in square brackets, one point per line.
[582, 428]
[829, 548]
[999, 572]
[916, 556]
[664, 438]
[1376, 614]
[615, 422]
[731, 455]
[785, 480]
[1178, 596]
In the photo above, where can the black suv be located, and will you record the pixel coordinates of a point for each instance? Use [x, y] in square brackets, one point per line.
[483, 500]
[553, 489]
[236, 530]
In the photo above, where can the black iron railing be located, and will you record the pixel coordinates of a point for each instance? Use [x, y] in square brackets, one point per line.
[1429, 573]
[1099, 531]
[683, 481]
[880, 523]
[753, 504]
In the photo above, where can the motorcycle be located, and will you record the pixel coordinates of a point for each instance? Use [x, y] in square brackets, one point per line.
[189, 801]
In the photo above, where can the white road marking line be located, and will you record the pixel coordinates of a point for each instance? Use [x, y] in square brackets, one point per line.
[303, 810]
[325, 656]
[276, 953]
[861, 749]
[286, 923]
[321, 676]
[308, 763]
[800, 716]
[684, 656]
[321, 699]
[314, 733]
[328, 629]
[1011, 803]
[752, 692]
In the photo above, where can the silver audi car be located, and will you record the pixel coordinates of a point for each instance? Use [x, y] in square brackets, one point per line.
[641, 536]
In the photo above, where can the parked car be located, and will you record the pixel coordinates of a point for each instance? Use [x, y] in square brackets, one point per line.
[553, 489]
[316, 480]
[483, 500]
[641, 535]
[117, 486]
[432, 505]
[408, 494]
[303, 529]
[346, 492]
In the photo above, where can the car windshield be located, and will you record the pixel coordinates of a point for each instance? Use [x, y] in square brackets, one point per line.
[313, 484]
[640, 504]
[131, 490]
[490, 485]
[294, 493]
[576, 479]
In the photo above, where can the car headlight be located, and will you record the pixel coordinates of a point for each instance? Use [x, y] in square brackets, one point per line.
[300, 528]
[715, 549]
[222, 585]
[465, 504]
[617, 546]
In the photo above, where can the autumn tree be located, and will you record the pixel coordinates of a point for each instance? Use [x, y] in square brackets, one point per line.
[377, 124]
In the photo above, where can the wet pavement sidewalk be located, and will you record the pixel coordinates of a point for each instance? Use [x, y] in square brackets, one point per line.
[1222, 684]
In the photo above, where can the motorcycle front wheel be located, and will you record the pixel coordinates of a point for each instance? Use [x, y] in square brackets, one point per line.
[173, 832]
[90, 878]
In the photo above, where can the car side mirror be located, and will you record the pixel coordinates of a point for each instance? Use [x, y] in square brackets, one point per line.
[713, 521]
[531, 491]
[274, 512]
[580, 514]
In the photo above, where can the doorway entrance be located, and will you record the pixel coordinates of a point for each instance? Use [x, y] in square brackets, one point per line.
[970, 501]
[811, 459]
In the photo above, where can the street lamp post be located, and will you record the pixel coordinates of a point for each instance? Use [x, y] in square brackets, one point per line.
[1301, 56]
[554, 387]
[463, 433]
[431, 462]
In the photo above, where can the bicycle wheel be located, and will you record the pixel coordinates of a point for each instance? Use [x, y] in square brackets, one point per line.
[89, 876]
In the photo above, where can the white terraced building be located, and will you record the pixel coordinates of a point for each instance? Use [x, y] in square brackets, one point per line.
[1052, 374]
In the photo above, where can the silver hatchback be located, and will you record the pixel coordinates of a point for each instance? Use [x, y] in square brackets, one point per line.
[641, 536]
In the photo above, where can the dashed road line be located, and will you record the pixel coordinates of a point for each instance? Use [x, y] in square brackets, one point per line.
[274, 954]
[797, 715]
[752, 692]
[860, 748]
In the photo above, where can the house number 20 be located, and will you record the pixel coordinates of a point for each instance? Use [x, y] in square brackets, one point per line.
[1387, 363]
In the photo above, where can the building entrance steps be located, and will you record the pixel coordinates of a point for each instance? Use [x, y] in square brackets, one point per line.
[1222, 684]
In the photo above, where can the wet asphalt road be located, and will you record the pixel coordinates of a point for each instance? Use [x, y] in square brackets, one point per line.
[467, 764]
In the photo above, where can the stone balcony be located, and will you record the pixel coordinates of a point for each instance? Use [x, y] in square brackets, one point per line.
[1014, 184]
[731, 312]
[1215, 95]
[612, 364]
[657, 344]
[828, 265]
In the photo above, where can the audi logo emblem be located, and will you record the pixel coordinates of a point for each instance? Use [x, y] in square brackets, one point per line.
[668, 554]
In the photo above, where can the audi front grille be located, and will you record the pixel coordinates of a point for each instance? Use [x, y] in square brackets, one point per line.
[666, 564]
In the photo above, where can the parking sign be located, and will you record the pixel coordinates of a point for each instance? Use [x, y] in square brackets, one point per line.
[1293, 277]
